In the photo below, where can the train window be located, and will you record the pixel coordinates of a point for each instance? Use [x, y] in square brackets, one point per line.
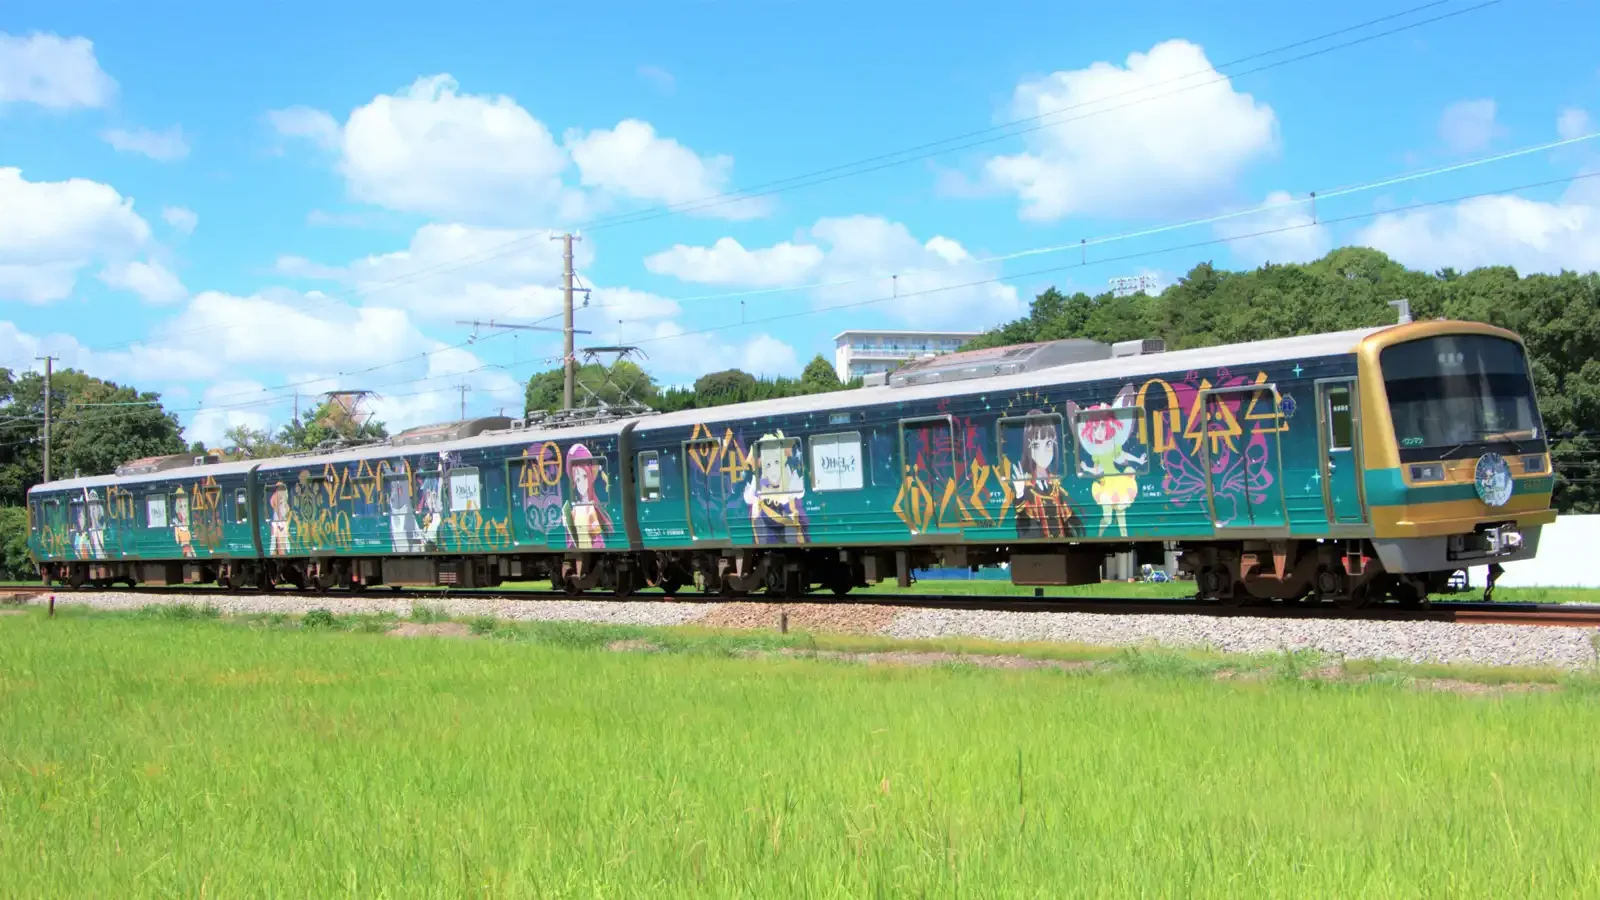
[155, 506]
[466, 490]
[1033, 444]
[836, 462]
[241, 506]
[649, 475]
[1107, 439]
[778, 466]
[1341, 418]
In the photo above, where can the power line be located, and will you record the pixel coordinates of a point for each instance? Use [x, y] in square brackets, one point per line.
[919, 152]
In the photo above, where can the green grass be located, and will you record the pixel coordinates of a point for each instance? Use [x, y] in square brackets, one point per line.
[160, 754]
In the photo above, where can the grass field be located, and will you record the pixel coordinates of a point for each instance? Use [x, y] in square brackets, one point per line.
[158, 755]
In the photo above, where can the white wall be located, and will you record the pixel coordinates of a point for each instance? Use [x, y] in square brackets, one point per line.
[1569, 556]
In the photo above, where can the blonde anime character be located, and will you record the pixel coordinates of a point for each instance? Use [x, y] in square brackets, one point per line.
[180, 522]
[1102, 431]
[775, 491]
[278, 525]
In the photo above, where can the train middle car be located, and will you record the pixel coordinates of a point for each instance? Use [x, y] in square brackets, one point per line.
[1339, 467]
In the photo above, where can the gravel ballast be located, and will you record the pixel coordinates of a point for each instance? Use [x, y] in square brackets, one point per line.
[1416, 642]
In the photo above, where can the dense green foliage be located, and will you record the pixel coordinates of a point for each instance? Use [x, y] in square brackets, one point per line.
[182, 755]
[626, 381]
[95, 426]
[1557, 315]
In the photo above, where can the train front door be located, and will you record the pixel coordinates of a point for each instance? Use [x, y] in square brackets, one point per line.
[706, 487]
[1340, 442]
[1244, 475]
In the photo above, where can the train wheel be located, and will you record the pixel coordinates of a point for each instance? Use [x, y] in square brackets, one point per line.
[671, 585]
[570, 585]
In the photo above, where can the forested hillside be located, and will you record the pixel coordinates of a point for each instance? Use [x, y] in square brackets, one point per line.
[1557, 315]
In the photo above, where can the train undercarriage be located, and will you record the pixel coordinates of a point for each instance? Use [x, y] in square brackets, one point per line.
[1347, 574]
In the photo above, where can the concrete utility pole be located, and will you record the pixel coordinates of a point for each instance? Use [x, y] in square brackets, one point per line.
[567, 360]
[463, 388]
[48, 360]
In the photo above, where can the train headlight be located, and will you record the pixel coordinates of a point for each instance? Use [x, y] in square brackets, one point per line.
[1533, 465]
[1427, 472]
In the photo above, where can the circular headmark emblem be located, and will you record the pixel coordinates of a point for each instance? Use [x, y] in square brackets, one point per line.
[1492, 478]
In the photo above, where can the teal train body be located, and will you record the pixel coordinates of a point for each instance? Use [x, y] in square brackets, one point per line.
[1340, 467]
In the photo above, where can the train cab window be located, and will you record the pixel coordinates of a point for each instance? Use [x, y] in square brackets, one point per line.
[1108, 442]
[466, 490]
[649, 475]
[155, 511]
[778, 466]
[241, 506]
[1033, 444]
[836, 462]
[1341, 418]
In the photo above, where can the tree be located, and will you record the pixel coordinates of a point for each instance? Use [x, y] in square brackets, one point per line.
[819, 376]
[245, 442]
[95, 426]
[624, 382]
[332, 421]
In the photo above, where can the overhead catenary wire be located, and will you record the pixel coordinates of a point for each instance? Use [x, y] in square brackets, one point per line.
[919, 152]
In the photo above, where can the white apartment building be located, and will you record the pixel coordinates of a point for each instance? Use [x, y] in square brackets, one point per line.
[858, 353]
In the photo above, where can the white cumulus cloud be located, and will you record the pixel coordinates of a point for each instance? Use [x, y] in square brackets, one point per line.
[52, 71]
[167, 145]
[150, 280]
[1469, 125]
[51, 230]
[635, 162]
[1163, 131]
[1503, 229]
[1574, 122]
[182, 219]
[933, 281]
[1284, 233]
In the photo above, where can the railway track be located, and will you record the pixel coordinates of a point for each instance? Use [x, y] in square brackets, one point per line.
[1465, 612]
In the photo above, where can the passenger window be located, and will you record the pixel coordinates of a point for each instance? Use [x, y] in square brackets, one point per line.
[1033, 444]
[241, 506]
[836, 462]
[778, 466]
[466, 491]
[1341, 418]
[1108, 442]
[155, 506]
[649, 476]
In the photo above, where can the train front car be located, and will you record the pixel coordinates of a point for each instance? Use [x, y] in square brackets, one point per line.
[1457, 470]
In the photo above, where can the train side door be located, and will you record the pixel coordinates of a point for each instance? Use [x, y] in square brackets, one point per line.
[1243, 458]
[1340, 430]
[706, 487]
[930, 463]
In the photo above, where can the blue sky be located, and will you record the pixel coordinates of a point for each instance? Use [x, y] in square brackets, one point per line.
[235, 203]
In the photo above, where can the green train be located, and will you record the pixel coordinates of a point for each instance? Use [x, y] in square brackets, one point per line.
[1343, 468]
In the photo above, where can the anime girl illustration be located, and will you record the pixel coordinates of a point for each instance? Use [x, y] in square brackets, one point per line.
[775, 491]
[1042, 508]
[180, 522]
[95, 516]
[404, 534]
[278, 525]
[79, 531]
[1102, 431]
[430, 509]
[585, 514]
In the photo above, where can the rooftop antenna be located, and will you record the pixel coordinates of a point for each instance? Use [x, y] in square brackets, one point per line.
[1403, 307]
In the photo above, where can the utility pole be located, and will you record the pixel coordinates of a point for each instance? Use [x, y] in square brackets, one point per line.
[463, 388]
[48, 360]
[567, 358]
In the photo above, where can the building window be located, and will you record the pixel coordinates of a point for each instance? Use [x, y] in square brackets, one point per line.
[649, 476]
[836, 462]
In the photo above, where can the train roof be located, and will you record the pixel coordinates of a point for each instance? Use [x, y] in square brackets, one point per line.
[1126, 367]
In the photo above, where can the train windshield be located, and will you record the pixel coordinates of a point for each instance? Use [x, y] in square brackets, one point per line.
[1456, 391]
